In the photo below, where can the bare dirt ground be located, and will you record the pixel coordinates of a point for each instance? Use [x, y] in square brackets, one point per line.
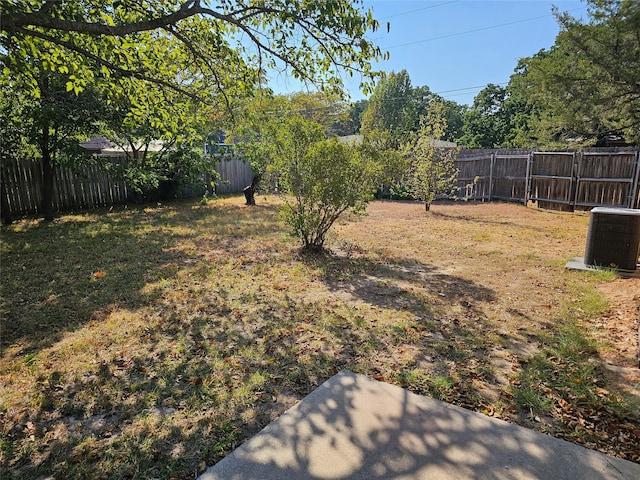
[620, 325]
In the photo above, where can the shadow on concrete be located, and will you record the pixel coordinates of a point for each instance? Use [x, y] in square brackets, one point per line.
[353, 427]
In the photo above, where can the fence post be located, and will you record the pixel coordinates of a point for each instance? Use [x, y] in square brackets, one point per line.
[5, 211]
[493, 156]
[527, 179]
[634, 200]
[575, 177]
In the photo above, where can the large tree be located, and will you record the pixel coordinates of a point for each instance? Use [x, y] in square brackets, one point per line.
[587, 86]
[485, 124]
[48, 127]
[392, 107]
[330, 111]
[396, 107]
[356, 111]
[520, 114]
[212, 53]
[453, 112]
[454, 117]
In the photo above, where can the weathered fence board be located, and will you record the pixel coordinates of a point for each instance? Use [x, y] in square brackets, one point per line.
[235, 174]
[606, 178]
[556, 180]
[23, 186]
[552, 183]
[474, 177]
[91, 186]
[510, 176]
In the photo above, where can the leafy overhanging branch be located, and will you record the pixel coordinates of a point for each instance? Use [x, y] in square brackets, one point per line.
[44, 19]
[139, 74]
[336, 28]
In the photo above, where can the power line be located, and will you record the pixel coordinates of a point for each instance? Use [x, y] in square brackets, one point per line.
[460, 91]
[417, 10]
[476, 30]
[469, 88]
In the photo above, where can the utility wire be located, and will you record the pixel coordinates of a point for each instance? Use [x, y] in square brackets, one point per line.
[475, 30]
[388, 99]
[417, 10]
[469, 88]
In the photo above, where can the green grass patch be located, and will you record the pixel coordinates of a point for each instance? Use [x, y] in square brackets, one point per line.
[565, 382]
[437, 386]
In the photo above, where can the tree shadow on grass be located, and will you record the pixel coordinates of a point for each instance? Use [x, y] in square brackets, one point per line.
[397, 283]
[94, 424]
[57, 276]
[434, 336]
[162, 412]
[203, 381]
[211, 372]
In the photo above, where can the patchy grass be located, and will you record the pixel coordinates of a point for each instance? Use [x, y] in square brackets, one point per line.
[564, 383]
[150, 342]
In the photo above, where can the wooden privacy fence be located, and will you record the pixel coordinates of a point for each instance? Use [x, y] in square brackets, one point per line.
[91, 186]
[558, 180]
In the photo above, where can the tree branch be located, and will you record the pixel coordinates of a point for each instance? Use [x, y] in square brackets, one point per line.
[185, 41]
[112, 66]
[41, 18]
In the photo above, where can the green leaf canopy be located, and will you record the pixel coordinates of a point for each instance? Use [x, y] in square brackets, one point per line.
[189, 46]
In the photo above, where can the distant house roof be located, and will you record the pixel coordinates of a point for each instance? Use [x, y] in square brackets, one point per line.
[357, 140]
[612, 141]
[97, 144]
[154, 146]
[351, 139]
[443, 144]
[106, 147]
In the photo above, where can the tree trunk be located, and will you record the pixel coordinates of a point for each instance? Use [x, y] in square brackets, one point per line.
[5, 213]
[249, 193]
[46, 206]
[47, 176]
[250, 190]
[427, 206]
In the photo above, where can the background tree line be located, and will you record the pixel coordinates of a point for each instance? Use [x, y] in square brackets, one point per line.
[585, 89]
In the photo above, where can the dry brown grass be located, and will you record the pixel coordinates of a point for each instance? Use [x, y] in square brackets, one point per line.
[150, 342]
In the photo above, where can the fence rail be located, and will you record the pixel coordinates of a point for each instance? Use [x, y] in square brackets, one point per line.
[555, 180]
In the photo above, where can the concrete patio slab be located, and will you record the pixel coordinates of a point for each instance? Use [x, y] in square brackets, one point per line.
[353, 427]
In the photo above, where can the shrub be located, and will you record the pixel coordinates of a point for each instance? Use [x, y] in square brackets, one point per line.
[325, 178]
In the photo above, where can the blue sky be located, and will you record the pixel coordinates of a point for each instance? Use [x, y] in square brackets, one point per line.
[458, 47]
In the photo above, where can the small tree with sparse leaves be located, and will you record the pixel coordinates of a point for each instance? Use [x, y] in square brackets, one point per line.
[431, 171]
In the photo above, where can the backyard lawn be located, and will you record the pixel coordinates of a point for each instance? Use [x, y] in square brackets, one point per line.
[149, 342]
